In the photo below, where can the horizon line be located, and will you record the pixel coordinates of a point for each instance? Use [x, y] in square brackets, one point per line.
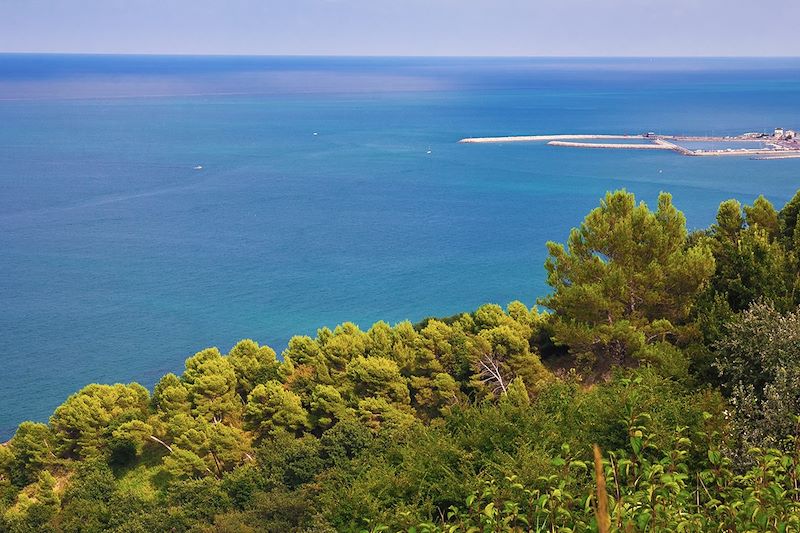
[398, 56]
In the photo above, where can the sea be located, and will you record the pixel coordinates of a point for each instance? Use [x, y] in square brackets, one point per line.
[153, 206]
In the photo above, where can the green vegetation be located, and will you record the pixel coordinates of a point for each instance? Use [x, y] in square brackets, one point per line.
[676, 354]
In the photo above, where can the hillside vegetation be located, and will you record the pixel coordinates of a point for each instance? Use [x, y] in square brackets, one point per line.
[656, 389]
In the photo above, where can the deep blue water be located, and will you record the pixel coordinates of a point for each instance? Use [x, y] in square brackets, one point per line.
[118, 260]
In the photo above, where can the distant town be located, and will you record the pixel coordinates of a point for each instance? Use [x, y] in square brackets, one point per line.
[780, 134]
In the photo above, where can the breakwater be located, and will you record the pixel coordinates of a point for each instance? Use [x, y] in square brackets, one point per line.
[770, 147]
[624, 146]
[545, 138]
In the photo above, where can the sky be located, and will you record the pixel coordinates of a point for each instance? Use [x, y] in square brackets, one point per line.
[404, 27]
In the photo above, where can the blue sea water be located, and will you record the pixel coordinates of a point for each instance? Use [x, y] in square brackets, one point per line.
[318, 201]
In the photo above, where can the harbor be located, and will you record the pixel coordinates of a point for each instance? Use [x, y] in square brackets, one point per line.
[780, 144]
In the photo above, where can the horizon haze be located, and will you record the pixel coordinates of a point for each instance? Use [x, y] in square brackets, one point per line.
[619, 28]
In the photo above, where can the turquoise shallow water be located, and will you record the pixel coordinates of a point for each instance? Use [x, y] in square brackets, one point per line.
[723, 145]
[118, 259]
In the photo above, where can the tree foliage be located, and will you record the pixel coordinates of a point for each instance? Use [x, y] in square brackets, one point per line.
[759, 365]
[624, 268]
[84, 424]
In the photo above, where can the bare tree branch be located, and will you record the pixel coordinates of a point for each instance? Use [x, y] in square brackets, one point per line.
[161, 442]
[490, 373]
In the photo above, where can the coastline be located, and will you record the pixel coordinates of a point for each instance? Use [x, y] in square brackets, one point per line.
[779, 146]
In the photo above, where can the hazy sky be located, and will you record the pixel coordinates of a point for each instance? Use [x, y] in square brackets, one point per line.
[403, 27]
